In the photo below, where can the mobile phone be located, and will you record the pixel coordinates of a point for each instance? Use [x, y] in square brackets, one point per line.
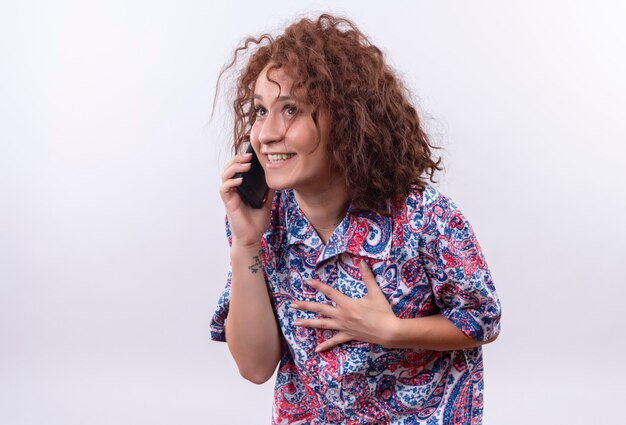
[253, 187]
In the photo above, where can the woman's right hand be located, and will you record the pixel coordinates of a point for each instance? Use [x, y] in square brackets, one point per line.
[247, 224]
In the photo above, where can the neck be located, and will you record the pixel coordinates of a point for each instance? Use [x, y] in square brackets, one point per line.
[324, 208]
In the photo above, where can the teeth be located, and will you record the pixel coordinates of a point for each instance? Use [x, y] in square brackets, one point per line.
[280, 157]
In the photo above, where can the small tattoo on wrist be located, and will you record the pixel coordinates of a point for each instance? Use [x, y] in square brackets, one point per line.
[256, 266]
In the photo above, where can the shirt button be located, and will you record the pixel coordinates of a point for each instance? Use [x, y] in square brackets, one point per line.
[327, 334]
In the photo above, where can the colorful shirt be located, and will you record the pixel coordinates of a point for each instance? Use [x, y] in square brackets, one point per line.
[426, 260]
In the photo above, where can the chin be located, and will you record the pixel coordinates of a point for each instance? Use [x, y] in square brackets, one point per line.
[278, 185]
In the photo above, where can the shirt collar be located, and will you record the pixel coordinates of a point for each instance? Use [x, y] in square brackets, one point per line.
[367, 234]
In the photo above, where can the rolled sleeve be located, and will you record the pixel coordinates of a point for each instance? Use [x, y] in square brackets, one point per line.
[460, 278]
[217, 324]
[218, 321]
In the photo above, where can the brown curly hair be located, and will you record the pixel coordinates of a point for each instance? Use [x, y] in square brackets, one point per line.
[376, 140]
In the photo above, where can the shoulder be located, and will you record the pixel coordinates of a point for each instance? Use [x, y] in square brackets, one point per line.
[428, 213]
[425, 205]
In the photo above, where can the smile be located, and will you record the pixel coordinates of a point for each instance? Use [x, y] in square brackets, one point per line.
[279, 157]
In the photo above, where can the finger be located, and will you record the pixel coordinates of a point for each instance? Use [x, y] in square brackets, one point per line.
[231, 170]
[329, 291]
[230, 197]
[243, 157]
[317, 323]
[373, 289]
[238, 158]
[340, 338]
[320, 308]
[226, 189]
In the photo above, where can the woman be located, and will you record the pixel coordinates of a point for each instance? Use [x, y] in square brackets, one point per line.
[360, 280]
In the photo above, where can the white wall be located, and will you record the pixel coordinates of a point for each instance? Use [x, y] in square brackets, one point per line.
[112, 247]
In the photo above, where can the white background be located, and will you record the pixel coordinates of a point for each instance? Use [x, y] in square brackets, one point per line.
[112, 246]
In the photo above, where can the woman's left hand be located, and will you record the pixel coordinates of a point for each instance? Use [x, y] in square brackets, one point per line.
[369, 318]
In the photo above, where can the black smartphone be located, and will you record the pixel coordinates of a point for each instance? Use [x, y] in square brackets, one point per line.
[253, 187]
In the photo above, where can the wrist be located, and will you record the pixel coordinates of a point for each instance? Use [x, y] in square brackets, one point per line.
[245, 243]
[245, 249]
[393, 334]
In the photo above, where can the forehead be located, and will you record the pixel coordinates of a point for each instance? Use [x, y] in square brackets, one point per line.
[266, 82]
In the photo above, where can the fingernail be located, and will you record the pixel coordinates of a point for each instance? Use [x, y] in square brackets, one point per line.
[293, 306]
[297, 322]
[247, 154]
[318, 349]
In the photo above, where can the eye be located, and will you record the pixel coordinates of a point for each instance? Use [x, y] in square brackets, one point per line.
[259, 111]
[291, 109]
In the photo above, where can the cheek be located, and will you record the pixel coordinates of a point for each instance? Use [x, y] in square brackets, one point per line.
[302, 139]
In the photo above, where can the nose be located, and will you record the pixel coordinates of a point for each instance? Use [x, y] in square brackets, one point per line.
[272, 129]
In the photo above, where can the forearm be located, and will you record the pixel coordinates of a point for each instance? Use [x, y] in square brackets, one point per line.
[252, 333]
[431, 332]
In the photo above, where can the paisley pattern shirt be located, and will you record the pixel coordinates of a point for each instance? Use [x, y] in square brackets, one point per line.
[426, 260]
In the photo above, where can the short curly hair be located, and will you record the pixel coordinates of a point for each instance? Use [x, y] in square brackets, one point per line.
[376, 140]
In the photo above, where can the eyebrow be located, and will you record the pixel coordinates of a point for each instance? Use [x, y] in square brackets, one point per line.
[258, 96]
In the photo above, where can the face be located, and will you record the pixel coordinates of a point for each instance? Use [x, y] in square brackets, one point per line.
[293, 153]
